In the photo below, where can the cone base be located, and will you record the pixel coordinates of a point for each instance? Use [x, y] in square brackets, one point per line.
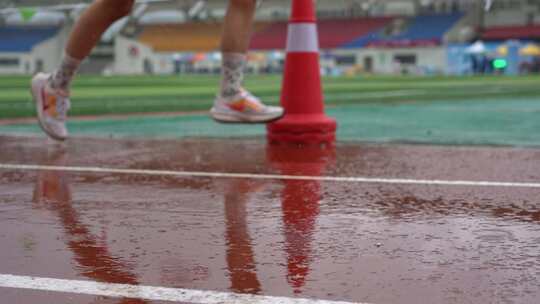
[303, 129]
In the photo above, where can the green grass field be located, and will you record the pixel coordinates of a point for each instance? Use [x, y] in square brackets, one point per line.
[94, 95]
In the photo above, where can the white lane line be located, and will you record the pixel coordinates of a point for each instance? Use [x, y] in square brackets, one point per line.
[272, 176]
[147, 292]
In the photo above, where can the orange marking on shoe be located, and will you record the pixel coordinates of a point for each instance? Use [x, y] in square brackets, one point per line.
[243, 104]
[49, 103]
[239, 105]
[255, 107]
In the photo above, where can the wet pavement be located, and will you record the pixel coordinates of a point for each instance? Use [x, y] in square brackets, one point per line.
[375, 243]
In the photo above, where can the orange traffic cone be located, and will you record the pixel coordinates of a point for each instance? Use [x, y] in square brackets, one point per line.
[304, 121]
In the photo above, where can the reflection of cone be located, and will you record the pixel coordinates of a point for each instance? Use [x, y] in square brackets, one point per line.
[300, 204]
[304, 121]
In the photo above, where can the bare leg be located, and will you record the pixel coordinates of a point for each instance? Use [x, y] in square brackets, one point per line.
[237, 27]
[234, 44]
[93, 23]
[85, 35]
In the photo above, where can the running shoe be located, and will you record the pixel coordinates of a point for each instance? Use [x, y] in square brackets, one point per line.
[51, 107]
[244, 108]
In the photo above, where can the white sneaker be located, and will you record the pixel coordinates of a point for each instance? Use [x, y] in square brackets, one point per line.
[51, 107]
[244, 108]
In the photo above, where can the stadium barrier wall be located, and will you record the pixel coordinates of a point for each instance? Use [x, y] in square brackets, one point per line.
[44, 56]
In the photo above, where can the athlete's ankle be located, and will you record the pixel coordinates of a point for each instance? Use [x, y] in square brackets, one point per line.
[62, 77]
[232, 74]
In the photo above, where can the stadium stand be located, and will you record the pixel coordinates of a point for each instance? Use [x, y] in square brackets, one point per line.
[272, 37]
[332, 33]
[337, 33]
[23, 39]
[267, 35]
[188, 37]
[525, 32]
[182, 37]
[421, 31]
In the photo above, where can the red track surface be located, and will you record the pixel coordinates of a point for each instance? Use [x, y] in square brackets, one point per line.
[327, 240]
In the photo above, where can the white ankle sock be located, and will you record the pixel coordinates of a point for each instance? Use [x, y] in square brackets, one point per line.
[63, 76]
[232, 74]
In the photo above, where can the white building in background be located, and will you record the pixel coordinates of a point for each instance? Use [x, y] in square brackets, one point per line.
[133, 57]
[379, 60]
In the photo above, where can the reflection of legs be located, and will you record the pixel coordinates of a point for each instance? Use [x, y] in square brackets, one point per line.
[94, 259]
[51, 92]
[234, 104]
[53, 186]
[240, 256]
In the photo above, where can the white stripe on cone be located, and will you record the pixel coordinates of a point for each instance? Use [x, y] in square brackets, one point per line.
[302, 38]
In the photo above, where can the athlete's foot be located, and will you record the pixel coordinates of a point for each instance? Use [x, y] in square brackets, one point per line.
[51, 107]
[244, 108]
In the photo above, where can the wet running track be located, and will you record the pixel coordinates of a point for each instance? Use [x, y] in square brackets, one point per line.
[214, 220]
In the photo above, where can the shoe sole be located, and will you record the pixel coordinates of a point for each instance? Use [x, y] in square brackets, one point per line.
[39, 114]
[228, 119]
[237, 119]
